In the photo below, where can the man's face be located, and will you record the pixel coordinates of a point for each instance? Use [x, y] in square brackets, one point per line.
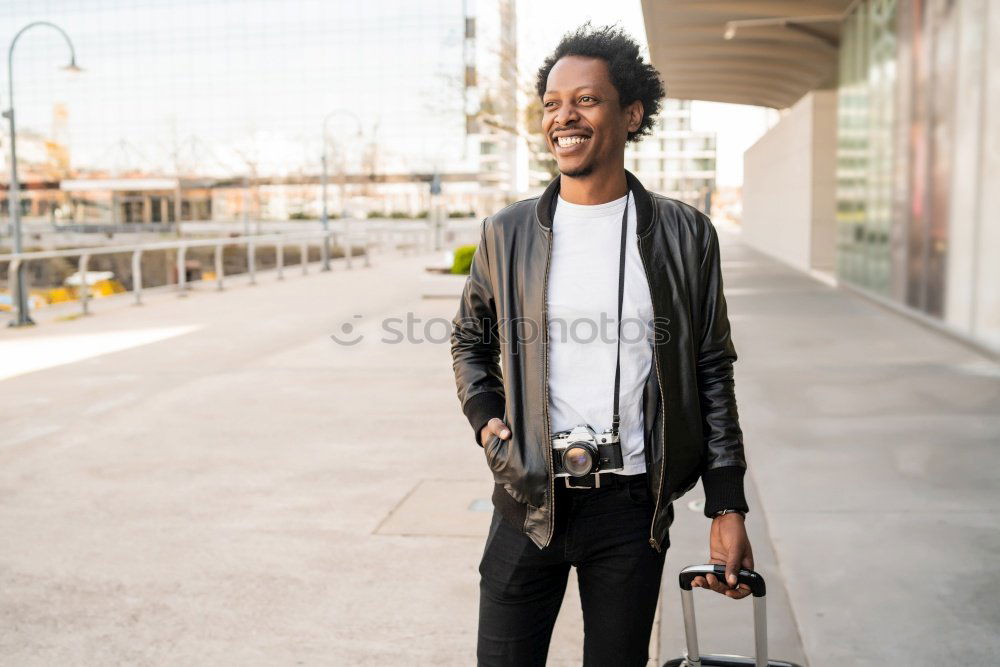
[582, 119]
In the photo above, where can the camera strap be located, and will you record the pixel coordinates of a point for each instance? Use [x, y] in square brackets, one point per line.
[615, 417]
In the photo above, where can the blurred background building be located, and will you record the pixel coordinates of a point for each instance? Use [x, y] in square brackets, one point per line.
[676, 160]
[211, 110]
[493, 102]
[878, 171]
[880, 168]
[201, 109]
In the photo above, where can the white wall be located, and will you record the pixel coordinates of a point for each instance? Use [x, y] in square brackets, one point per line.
[789, 185]
[823, 228]
[973, 281]
[986, 323]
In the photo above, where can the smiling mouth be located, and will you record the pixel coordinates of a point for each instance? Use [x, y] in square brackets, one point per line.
[566, 142]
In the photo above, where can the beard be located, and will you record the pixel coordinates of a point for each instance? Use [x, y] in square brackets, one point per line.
[579, 172]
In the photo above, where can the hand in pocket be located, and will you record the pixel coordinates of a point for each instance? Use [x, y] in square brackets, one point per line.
[494, 427]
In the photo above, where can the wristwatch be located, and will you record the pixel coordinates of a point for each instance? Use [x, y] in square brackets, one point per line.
[740, 512]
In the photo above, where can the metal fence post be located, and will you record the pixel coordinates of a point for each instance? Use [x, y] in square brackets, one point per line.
[251, 262]
[137, 275]
[84, 288]
[304, 256]
[218, 267]
[326, 251]
[181, 269]
[14, 276]
[280, 251]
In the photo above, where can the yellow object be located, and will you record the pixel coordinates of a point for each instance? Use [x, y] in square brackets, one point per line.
[61, 295]
[106, 288]
[40, 298]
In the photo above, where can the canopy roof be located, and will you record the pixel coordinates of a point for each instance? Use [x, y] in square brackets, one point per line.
[763, 52]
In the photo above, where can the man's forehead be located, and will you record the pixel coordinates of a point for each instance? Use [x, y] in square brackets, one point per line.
[571, 73]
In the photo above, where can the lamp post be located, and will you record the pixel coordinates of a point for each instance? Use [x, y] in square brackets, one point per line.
[13, 201]
[323, 181]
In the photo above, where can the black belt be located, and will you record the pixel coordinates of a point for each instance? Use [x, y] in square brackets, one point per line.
[606, 479]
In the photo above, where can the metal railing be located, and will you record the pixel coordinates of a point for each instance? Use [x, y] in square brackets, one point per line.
[414, 238]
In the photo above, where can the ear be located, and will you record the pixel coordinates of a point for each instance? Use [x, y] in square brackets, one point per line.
[635, 113]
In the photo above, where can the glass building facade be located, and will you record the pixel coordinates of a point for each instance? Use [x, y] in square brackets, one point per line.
[239, 89]
[865, 145]
[206, 81]
[917, 159]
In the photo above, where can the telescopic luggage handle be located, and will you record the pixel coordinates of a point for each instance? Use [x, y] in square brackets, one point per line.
[757, 587]
[753, 580]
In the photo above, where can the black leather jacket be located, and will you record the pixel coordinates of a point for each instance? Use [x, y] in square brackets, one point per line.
[499, 350]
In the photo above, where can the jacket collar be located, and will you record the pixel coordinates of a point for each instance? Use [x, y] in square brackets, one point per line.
[545, 205]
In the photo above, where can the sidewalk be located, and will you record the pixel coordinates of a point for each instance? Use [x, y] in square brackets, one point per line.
[236, 488]
[874, 446]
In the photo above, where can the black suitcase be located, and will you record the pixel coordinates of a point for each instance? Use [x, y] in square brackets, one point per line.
[693, 658]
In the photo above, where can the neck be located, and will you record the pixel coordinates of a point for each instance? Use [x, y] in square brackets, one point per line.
[598, 187]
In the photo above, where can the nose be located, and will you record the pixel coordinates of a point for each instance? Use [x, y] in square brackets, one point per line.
[565, 115]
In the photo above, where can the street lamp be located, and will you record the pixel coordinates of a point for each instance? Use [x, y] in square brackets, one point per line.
[325, 218]
[13, 201]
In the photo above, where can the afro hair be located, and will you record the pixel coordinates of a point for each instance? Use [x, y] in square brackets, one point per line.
[632, 77]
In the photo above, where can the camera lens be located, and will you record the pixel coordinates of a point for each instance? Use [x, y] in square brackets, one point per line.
[578, 460]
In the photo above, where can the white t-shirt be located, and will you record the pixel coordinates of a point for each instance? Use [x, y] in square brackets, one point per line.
[583, 312]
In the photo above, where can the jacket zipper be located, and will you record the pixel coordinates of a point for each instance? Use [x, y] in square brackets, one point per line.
[550, 501]
[663, 413]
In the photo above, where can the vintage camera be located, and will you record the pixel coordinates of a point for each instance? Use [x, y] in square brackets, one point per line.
[580, 451]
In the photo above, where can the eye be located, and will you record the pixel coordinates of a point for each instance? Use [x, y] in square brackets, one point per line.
[548, 103]
[588, 97]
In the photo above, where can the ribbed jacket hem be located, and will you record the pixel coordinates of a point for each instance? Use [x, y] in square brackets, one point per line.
[481, 408]
[724, 489]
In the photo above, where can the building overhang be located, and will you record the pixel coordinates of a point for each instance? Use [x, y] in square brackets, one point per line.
[762, 52]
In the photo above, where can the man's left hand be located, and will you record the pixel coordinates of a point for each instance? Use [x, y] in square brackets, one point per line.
[728, 545]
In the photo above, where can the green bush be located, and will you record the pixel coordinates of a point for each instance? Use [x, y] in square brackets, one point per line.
[463, 259]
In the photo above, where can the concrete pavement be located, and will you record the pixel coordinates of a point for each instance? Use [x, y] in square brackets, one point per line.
[235, 490]
[874, 446]
[227, 485]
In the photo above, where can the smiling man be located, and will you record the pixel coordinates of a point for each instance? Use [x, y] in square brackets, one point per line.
[592, 431]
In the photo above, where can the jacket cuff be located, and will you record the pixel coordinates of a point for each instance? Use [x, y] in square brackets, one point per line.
[724, 489]
[481, 408]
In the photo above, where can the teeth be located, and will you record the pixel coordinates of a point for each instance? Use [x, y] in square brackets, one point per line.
[570, 141]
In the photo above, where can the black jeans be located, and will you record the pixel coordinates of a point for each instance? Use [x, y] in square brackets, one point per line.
[605, 534]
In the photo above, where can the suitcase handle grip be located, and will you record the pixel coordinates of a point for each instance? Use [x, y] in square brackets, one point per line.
[752, 579]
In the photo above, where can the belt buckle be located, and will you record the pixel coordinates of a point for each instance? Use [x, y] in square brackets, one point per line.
[597, 482]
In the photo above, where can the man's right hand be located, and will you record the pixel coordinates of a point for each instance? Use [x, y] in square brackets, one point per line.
[494, 427]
